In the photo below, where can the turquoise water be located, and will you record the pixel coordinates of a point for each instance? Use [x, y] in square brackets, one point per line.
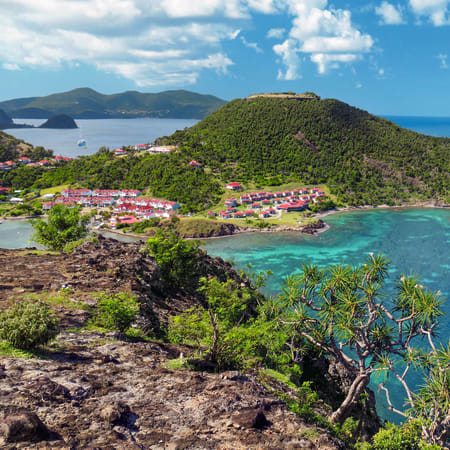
[16, 234]
[417, 241]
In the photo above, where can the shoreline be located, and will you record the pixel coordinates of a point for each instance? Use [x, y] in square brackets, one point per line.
[277, 228]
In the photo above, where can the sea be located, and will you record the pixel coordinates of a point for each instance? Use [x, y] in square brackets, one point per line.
[112, 133]
[416, 241]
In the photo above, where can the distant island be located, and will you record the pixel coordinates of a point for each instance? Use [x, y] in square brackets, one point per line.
[85, 103]
[7, 122]
[60, 121]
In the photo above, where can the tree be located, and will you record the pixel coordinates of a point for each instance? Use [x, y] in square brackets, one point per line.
[342, 311]
[178, 258]
[214, 326]
[63, 225]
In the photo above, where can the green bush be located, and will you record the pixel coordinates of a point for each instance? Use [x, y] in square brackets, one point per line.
[117, 312]
[27, 325]
[393, 437]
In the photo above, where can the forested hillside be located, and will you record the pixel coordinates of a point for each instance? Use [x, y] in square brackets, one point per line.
[12, 148]
[363, 158]
[85, 103]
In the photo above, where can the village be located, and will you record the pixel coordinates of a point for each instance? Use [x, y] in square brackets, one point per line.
[266, 204]
[8, 165]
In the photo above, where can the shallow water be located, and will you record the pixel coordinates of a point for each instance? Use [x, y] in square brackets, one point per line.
[417, 241]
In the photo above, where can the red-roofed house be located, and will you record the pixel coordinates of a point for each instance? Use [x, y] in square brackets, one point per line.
[211, 214]
[24, 160]
[230, 202]
[264, 214]
[32, 165]
[249, 212]
[129, 193]
[44, 163]
[195, 164]
[234, 186]
[119, 152]
[256, 205]
[239, 215]
[225, 214]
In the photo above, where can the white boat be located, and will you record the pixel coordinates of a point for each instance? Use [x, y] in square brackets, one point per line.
[82, 143]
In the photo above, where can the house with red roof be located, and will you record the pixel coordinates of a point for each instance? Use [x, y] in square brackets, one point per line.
[234, 186]
[195, 164]
[225, 214]
[32, 164]
[249, 212]
[230, 202]
[239, 215]
[130, 193]
[256, 205]
[24, 160]
[264, 214]
[211, 214]
[44, 163]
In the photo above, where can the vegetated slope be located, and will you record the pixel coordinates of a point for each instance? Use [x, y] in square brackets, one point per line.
[363, 158]
[87, 103]
[168, 176]
[12, 148]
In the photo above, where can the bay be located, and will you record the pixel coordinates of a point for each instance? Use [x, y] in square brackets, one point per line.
[417, 242]
[112, 133]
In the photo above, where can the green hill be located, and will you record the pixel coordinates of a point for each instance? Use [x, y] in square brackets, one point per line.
[364, 159]
[87, 103]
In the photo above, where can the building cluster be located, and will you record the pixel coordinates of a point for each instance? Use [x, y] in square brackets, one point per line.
[128, 206]
[267, 204]
[24, 161]
[152, 149]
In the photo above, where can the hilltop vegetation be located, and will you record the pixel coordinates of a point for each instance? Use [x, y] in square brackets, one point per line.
[85, 103]
[12, 148]
[363, 158]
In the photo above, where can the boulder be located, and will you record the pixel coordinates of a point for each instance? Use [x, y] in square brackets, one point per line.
[250, 418]
[25, 426]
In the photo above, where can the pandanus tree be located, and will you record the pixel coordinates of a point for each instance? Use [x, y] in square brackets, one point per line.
[345, 312]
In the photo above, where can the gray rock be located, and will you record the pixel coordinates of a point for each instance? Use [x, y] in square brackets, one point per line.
[25, 426]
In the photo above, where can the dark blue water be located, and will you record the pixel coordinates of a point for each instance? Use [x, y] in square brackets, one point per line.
[417, 241]
[433, 126]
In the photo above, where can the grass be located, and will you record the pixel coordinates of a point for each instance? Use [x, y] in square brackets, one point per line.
[9, 351]
[54, 189]
[175, 364]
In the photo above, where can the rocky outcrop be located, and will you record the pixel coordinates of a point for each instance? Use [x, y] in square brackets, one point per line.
[109, 266]
[107, 393]
[60, 121]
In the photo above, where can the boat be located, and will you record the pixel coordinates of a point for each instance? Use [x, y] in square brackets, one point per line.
[82, 143]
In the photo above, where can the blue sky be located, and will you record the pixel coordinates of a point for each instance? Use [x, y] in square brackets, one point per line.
[390, 58]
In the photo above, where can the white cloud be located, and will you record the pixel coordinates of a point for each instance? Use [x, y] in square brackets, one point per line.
[135, 39]
[443, 59]
[252, 45]
[327, 35]
[435, 10]
[389, 14]
[275, 33]
[359, 85]
[326, 61]
[9, 66]
[169, 42]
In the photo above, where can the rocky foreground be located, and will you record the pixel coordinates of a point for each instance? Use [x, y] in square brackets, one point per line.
[99, 390]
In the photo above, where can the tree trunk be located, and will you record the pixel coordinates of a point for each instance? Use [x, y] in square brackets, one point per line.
[357, 387]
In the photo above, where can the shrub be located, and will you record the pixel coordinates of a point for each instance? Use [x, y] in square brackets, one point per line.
[27, 325]
[117, 312]
[393, 437]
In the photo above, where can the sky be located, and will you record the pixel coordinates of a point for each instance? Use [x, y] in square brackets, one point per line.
[390, 58]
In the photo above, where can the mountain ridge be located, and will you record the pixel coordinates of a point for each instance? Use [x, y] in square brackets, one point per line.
[86, 103]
